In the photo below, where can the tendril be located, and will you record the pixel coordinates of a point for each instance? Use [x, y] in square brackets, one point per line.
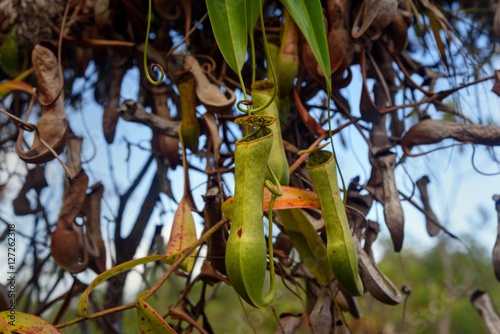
[266, 48]
[270, 186]
[154, 66]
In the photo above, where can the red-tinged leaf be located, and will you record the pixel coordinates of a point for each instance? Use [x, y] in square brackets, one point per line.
[82, 304]
[4, 326]
[8, 86]
[27, 323]
[291, 198]
[182, 236]
[148, 320]
[309, 121]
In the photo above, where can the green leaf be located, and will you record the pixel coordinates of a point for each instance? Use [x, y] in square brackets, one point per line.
[253, 12]
[308, 244]
[148, 320]
[27, 323]
[229, 24]
[83, 303]
[308, 15]
[9, 55]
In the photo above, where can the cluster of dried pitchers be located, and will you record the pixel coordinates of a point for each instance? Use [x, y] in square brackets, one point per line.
[314, 50]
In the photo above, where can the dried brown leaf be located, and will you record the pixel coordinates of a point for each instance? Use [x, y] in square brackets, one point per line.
[482, 303]
[35, 179]
[393, 211]
[374, 16]
[321, 314]
[209, 94]
[53, 125]
[93, 228]
[430, 217]
[288, 323]
[431, 131]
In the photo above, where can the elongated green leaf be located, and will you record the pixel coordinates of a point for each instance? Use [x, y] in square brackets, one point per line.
[27, 323]
[148, 320]
[253, 12]
[229, 24]
[308, 16]
[308, 244]
[82, 304]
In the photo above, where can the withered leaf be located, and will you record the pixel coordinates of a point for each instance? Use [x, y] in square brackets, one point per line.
[53, 125]
[432, 228]
[321, 314]
[35, 179]
[432, 131]
[288, 323]
[482, 303]
[393, 211]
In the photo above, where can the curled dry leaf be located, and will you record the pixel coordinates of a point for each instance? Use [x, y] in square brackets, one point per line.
[482, 303]
[397, 33]
[35, 179]
[379, 286]
[374, 16]
[321, 314]
[209, 94]
[110, 116]
[431, 131]
[67, 245]
[432, 228]
[92, 210]
[496, 249]
[210, 276]
[393, 211]
[53, 125]
[288, 323]
[371, 236]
